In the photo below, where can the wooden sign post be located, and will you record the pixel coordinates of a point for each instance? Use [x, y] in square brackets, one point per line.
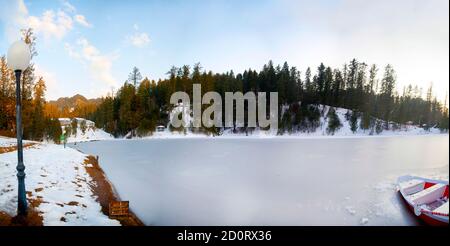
[119, 209]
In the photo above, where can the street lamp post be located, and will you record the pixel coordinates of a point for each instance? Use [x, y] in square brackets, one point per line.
[18, 60]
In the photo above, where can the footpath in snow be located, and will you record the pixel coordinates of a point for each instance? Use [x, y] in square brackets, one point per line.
[57, 183]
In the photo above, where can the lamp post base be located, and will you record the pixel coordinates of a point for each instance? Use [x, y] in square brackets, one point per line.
[21, 199]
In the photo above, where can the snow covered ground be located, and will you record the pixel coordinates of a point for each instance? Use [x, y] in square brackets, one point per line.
[321, 131]
[272, 181]
[56, 176]
[9, 142]
[91, 134]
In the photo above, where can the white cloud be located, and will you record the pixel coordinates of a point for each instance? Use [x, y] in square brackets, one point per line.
[68, 7]
[51, 24]
[80, 19]
[71, 51]
[99, 65]
[13, 16]
[139, 40]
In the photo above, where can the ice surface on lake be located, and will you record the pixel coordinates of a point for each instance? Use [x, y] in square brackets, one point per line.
[343, 181]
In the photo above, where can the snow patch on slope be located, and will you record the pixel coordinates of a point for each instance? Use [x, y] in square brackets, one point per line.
[345, 129]
[91, 133]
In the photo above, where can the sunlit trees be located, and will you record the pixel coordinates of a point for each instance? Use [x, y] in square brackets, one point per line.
[37, 124]
[37, 127]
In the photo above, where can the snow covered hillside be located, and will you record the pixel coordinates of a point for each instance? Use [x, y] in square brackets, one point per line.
[345, 128]
[85, 130]
[57, 182]
[321, 130]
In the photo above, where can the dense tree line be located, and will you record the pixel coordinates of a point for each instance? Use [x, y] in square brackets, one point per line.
[373, 102]
[36, 124]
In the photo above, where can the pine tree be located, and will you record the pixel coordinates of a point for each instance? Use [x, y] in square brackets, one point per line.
[366, 121]
[320, 82]
[372, 86]
[74, 126]
[128, 117]
[428, 107]
[28, 77]
[38, 119]
[333, 121]
[6, 95]
[53, 130]
[387, 92]
[354, 121]
[327, 86]
[351, 75]
[296, 79]
[444, 121]
[360, 85]
[135, 77]
[282, 82]
[146, 110]
[309, 88]
[83, 126]
[338, 82]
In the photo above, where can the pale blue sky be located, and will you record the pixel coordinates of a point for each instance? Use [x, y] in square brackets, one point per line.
[87, 47]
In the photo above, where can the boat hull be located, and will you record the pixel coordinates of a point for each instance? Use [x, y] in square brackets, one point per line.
[424, 217]
[429, 219]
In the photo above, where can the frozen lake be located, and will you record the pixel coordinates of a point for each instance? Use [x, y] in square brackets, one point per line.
[280, 181]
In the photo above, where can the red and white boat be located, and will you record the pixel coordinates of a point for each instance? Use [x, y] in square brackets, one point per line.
[427, 198]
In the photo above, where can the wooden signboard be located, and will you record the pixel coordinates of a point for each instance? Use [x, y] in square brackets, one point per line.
[119, 208]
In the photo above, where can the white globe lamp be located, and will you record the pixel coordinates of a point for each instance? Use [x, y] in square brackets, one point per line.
[19, 56]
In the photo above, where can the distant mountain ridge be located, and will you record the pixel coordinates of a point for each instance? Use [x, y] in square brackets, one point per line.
[72, 102]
